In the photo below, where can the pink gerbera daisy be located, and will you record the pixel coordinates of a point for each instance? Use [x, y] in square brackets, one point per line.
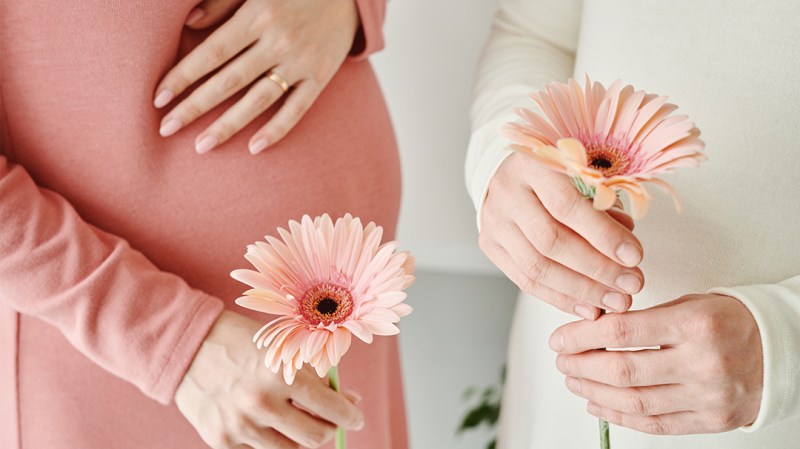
[328, 281]
[609, 140]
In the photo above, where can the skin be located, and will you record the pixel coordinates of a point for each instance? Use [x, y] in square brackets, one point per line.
[707, 376]
[550, 241]
[303, 41]
[234, 401]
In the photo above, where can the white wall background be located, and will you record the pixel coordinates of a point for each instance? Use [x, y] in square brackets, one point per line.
[457, 335]
[426, 70]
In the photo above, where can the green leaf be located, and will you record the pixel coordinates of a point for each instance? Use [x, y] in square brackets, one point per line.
[468, 393]
[492, 444]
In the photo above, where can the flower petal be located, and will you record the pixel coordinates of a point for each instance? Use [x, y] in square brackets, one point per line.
[604, 197]
[382, 328]
[264, 305]
[573, 149]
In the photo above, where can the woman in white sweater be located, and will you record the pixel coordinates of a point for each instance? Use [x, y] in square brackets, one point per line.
[730, 352]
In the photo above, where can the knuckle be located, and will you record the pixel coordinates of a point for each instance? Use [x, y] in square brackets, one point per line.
[286, 41]
[231, 83]
[707, 324]
[722, 422]
[219, 440]
[564, 204]
[535, 266]
[190, 112]
[656, 426]
[498, 185]
[621, 371]
[296, 111]
[262, 101]
[224, 130]
[214, 54]
[616, 330]
[179, 81]
[637, 404]
[548, 239]
[485, 242]
[317, 437]
[277, 131]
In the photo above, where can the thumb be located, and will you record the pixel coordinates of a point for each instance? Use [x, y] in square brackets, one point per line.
[618, 213]
[211, 12]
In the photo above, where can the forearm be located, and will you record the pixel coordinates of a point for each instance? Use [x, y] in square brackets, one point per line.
[531, 43]
[111, 303]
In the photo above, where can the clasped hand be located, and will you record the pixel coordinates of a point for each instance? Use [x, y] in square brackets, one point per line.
[707, 376]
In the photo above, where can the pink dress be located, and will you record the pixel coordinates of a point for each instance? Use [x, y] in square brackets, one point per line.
[116, 244]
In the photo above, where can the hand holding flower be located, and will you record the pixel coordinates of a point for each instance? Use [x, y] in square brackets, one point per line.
[231, 398]
[553, 244]
[707, 376]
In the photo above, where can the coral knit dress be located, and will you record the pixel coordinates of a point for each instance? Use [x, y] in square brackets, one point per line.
[116, 244]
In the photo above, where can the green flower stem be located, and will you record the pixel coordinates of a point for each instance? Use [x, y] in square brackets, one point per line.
[589, 192]
[605, 442]
[605, 439]
[333, 379]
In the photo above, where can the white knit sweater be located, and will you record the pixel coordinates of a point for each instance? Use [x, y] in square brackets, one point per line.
[732, 66]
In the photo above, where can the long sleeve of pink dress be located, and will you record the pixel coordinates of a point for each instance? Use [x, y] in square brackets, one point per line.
[116, 244]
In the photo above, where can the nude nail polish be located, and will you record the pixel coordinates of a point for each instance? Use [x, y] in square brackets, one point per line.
[163, 98]
[205, 145]
[171, 127]
[258, 146]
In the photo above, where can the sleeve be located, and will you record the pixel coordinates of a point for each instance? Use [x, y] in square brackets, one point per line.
[776, 309]
[111, 303]
[531, 43]
[369, 37]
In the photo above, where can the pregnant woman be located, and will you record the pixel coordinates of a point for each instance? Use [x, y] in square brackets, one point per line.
[117, 322]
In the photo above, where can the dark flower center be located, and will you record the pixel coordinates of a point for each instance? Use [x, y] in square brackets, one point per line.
[608, 160]
[327, 306]
[601, 163]
[326, 303]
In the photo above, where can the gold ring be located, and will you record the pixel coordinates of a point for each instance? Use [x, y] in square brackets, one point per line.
[277, 79]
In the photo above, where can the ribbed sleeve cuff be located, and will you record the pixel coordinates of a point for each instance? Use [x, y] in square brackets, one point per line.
[194, 330]
[776, 309]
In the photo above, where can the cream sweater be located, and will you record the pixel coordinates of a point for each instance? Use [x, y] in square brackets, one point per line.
[732, 66]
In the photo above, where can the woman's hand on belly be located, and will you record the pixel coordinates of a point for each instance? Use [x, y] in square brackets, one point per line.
[231, 398]
[303, 42]
[707, 376]
[554, 245]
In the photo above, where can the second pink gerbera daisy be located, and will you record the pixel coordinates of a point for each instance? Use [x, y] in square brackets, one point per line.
[611, 140]
[328, 281]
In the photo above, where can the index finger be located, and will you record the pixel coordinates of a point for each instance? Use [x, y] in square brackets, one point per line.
[329, 405]
[566, 204]
[636, 329]
[217, 49]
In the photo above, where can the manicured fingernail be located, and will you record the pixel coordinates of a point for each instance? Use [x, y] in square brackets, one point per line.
[205, 145]
[594, 409]
[574, 385]
[359, 426]
[356, 397]
[258, 146]
[562, 363]
[584, 311]
[195, 15]
[629, 254]
[557, 342]
[164, 98]
[629, 283]
[614, 301]
[171, 127]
